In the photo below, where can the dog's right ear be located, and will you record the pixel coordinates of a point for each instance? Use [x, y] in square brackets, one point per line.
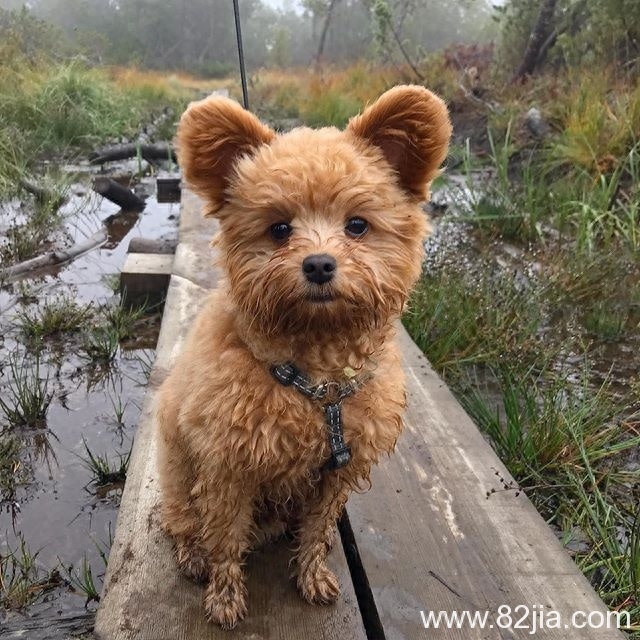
[411, 127]
[212, 135]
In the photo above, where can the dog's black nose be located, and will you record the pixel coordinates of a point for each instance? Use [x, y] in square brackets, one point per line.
[319, 268]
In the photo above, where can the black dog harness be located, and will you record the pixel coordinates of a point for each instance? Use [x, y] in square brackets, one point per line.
[289, 376]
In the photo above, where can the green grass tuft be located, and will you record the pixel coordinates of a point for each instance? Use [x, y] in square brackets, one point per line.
[330, 108]
[103, 472]
[457, 318]
[21, 580]
[82, 581]
[58, 315]
[27, 397]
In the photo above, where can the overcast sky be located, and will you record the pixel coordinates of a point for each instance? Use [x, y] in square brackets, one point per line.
[284, 4]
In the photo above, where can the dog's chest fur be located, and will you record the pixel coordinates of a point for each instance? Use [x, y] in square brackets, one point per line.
[236, 417]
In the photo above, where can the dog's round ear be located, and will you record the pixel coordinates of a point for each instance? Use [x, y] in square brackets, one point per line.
[411, 126]
[212, 135]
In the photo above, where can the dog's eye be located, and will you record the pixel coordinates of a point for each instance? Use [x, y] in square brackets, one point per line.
[356, 227]
[280, 230]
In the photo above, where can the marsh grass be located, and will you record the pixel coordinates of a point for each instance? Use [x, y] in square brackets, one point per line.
[61, 314]
[119, 407]
[13, 159]
[331, 108]
[545, 427]
[523, 191]
[103, 471]
[605, 321]
[71, 105]
[613, 558]
[62, 109]
[27, 396]
[607, 207]
[485, 317]
[328, 97]
[82, 581]
[145, 359]
[22, 242]
[498, 205]
[43, 219]
[123, 319]
[13, 472]
[101, 344]
[599, 116]
[507, 341]
[113, 323]
[22, 581]
[634, 554]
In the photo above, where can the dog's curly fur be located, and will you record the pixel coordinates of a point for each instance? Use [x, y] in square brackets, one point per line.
[239, 454]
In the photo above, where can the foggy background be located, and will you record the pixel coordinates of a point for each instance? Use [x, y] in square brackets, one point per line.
[198, 35]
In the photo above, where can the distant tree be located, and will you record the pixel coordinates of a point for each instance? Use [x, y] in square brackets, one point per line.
[535, 32]
[389, 32]
[25, 36]
[321, 11]
[542, 29]
[280, 51]
[407, 29]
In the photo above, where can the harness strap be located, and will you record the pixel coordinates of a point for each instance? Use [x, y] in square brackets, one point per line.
[289, 376]
[340, 452]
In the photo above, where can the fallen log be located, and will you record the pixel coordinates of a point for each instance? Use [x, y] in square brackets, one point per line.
[123, 197]
[149, 152]
[53, 258]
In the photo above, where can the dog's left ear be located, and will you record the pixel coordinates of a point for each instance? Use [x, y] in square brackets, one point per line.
[411, 126]
[212, 135]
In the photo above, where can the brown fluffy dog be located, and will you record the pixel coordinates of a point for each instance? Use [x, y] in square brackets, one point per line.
[321, 239]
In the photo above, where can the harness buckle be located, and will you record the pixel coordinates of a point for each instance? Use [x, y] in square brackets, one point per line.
[285, 374]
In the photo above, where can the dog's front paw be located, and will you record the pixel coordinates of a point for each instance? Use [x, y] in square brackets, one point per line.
[318, 584]
[226, 604]
[192, 562]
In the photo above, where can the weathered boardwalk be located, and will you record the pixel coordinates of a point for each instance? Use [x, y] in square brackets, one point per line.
[425, 538]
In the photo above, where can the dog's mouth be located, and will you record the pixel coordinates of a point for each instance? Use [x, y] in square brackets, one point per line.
[320, 297]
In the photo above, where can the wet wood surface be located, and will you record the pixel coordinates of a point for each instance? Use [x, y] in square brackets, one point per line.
[66, 626]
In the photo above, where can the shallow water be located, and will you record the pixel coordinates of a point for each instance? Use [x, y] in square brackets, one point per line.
[57, 510]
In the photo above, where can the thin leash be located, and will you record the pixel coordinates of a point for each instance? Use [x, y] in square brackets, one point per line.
[243, 70]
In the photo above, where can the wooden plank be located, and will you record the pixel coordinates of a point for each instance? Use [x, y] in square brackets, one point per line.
[52, 625]
[164, 245]
[168, 187]
[145, 277]
[429, 539]
[145, 597]
[194, 257]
